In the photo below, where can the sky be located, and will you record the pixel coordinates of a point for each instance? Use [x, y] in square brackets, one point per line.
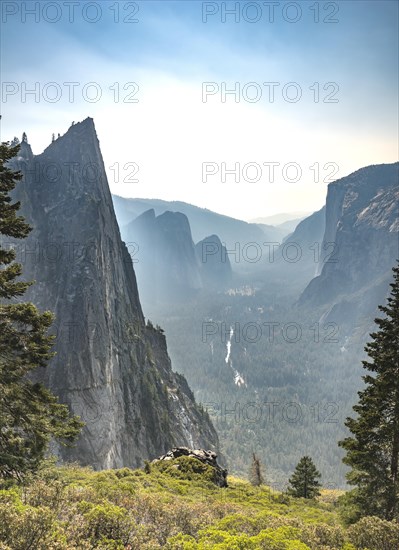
[245, 108]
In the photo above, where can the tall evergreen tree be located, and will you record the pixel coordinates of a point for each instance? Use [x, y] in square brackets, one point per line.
[373, 450]
[256, 477]
[304, 481]
[30, 415]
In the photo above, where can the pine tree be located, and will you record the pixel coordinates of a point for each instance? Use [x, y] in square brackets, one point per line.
[373, 450]
[304, 482]
[30, 415]
[256, 477]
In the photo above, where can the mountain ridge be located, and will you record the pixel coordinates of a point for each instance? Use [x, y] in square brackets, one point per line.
[203, 222]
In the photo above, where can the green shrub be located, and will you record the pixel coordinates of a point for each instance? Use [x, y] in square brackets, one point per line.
[42, 493]
[323, 536]
[373, 533]
[23, 527]
[10, 496]
[186, 467]
[181, 542]
[282, 498]
[124, 473]
[175, 506]
[239, 524]
[283, 538]
[349, 510]
[105, 521]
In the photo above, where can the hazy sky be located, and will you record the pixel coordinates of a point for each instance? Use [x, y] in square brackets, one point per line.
[315, 85]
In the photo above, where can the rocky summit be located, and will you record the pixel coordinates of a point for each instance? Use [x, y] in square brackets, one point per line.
[111, 367]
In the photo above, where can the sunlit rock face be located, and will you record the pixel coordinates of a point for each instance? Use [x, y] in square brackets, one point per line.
[111, 368]
[360, 244]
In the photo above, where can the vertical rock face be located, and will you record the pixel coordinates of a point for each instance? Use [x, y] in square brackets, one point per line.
[167, 267]
[309, 230]
[214, 261]
[360, 242]
[297, 260]
[112, 369]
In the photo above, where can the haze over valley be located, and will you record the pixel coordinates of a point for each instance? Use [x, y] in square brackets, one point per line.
[199, 278]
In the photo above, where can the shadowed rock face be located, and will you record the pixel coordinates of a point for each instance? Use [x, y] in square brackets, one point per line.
[360, 243]
[112, 369]
[167, 267]
[203, 222]
[309, 230]
[214, 262]
[296, 261]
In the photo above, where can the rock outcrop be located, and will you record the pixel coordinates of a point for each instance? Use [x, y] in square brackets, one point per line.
[111, 367]
[206, 457]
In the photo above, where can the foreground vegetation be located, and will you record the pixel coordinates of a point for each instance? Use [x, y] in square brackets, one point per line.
[69, 507]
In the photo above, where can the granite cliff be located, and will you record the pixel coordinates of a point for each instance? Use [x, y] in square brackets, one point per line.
[111, 367]
[169, 267]
[360, 245]
[214, 262]
[296, 261]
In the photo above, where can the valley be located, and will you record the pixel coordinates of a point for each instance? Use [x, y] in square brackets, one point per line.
[199, 275]
[274, 355]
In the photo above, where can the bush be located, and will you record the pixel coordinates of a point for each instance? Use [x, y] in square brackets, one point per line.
[282, 498]
[175, 506]
[23, 527]
[106, 522]
[186, 467]
[373, 533]
[181, 542]
[322, 536]
[42, 493]
[349, 510]
[284, 538]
